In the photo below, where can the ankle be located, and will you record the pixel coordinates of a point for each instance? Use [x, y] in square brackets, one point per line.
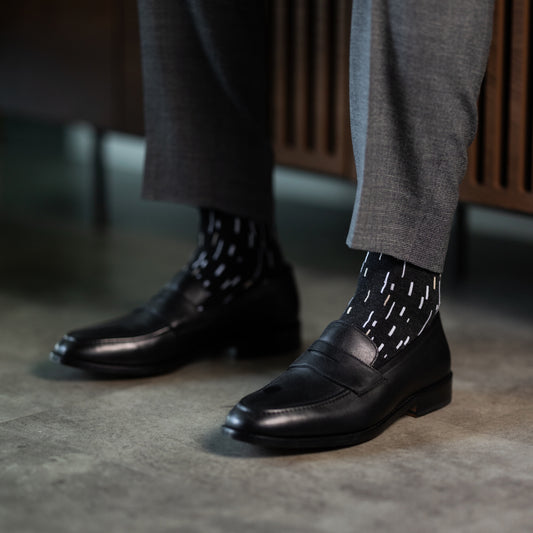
[394, 302]
[233, 252]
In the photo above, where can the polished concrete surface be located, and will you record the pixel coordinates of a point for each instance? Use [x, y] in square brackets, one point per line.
[79, 453]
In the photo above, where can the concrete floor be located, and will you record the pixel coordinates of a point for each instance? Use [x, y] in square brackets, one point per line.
[84, 454]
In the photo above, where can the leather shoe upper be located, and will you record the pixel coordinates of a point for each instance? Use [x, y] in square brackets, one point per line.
[331, 390]
[182, 319]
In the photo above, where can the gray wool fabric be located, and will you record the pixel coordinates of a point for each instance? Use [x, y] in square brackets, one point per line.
[416, 72]
[416, 67]
[205, 94]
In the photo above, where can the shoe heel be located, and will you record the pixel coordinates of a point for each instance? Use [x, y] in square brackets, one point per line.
[277, 340]
[432, 398]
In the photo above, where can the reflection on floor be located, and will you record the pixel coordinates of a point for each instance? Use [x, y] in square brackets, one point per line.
[85, 454]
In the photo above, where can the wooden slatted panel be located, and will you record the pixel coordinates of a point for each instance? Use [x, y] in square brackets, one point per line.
[500, 165]
[302, 88]
[496, 103]
[521, 99]
[487, 167]
[310, 42]
[323, 121]
[309, 73]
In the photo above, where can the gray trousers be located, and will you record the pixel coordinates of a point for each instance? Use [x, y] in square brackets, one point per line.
[416, 68]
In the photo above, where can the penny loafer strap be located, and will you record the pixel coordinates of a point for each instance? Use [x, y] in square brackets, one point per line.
[340, 367]
[178, 299]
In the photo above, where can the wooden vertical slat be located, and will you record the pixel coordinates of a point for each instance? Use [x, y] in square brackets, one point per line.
[335, 101]
[301, 89]
[132, 71]
[342, 109]
[518, 146]
[279, 73]
[321, 78]
[495, 104]
[528, 184]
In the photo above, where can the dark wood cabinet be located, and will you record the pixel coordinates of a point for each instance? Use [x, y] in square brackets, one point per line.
[64, 61]
[80, 60]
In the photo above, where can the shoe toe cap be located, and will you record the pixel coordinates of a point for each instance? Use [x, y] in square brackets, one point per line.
[290, 403]
[113, 340]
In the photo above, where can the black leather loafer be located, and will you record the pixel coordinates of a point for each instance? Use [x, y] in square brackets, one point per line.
[181, 322]
[329, 398]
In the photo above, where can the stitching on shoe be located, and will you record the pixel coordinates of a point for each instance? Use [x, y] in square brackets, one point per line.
[382, 379]
[328, 401]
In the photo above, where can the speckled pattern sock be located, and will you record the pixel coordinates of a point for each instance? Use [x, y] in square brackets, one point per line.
[393, 304]
[233, 253]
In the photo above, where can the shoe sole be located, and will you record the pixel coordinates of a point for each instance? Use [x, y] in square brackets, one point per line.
[421, 403]
[277, 342]
[117, 371]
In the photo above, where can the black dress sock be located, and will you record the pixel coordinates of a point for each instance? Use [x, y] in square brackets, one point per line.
[393, 304]
[233, 253]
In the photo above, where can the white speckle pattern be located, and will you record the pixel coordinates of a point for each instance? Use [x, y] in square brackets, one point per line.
[226, 283]
[363, 263]
[385, 282]
[220, 269]
[426, 322]
[368, 319]
[218, 250]
[394, 302]
[233, 253]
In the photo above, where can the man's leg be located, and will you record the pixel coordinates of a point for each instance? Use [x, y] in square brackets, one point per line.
[204, 76]
[207, 145]
[416, 72]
